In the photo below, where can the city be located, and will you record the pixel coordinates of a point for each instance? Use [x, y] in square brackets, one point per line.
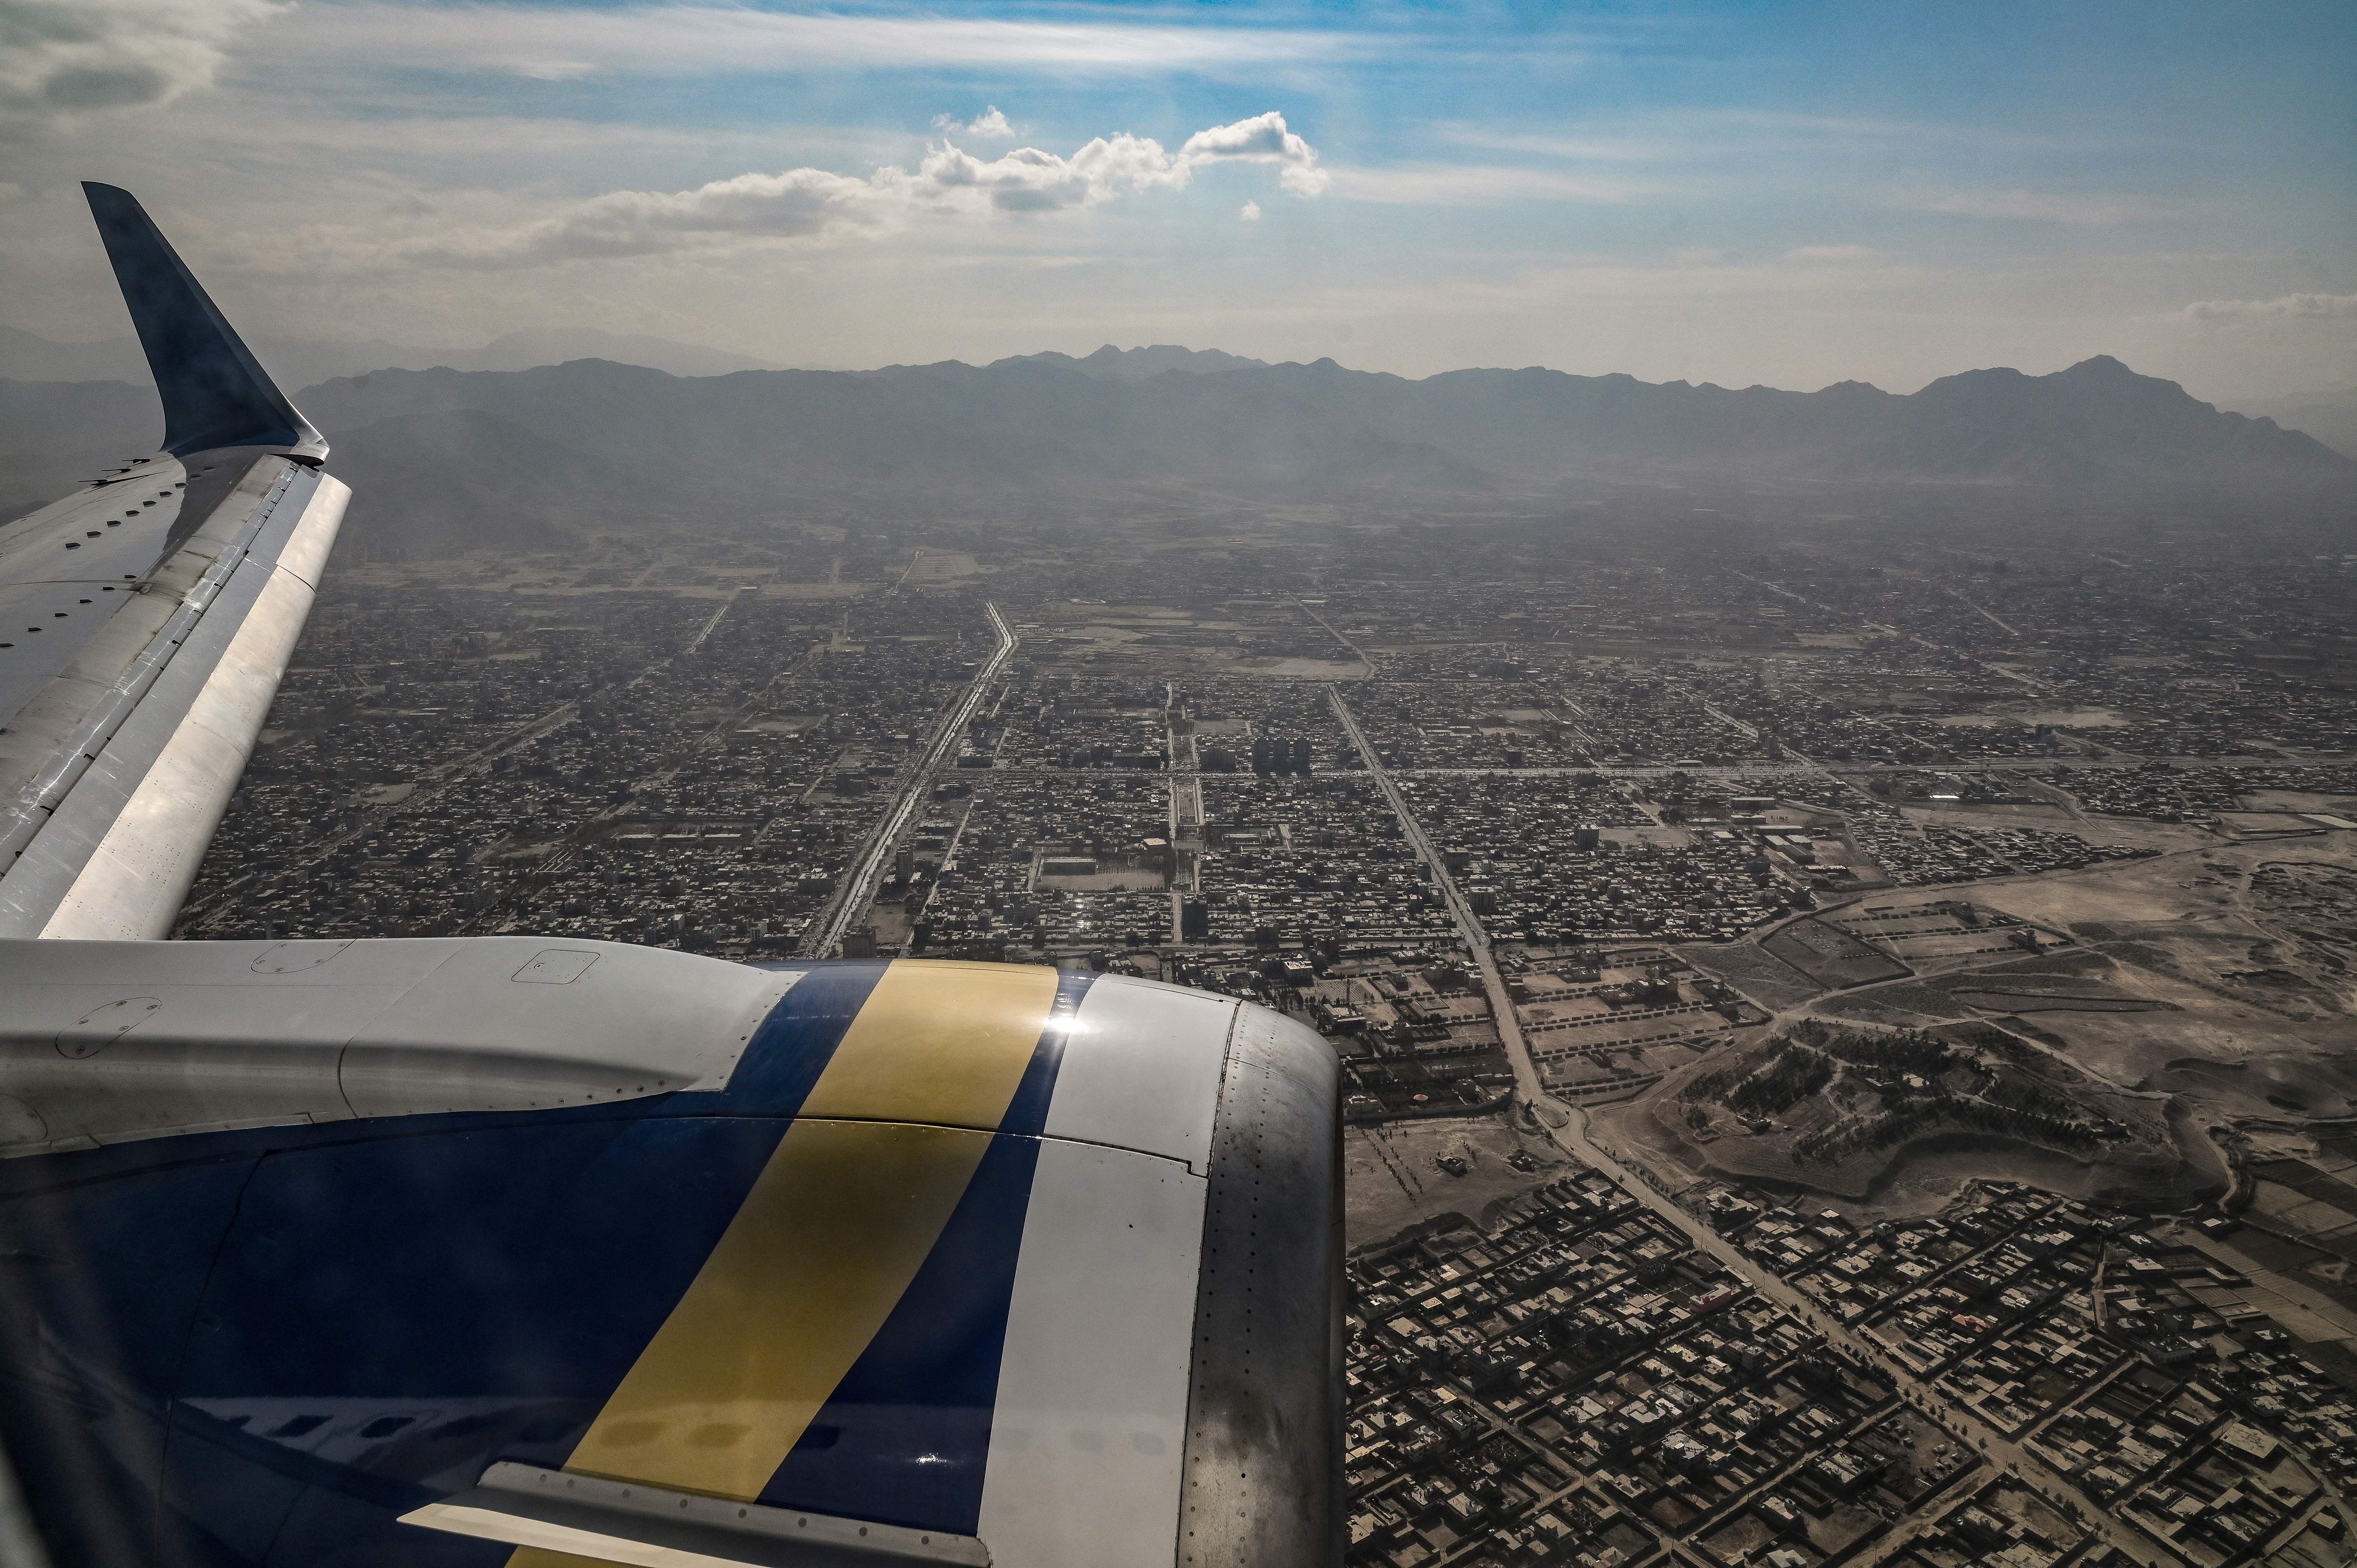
[1843, 1028]
[1246, 785]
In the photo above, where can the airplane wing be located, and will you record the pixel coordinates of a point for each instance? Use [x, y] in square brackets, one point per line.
[145, 620]
[511, 1250]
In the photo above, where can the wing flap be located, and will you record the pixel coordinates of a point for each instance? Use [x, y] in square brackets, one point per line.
[95, 546]
[614, 1521]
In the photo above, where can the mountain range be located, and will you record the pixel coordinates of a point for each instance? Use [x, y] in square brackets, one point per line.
[1112, 364]
[299, 361]
[2330, 417]
[444, 458]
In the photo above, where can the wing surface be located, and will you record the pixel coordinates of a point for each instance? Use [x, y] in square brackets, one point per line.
[324, 1252]
[145, 620]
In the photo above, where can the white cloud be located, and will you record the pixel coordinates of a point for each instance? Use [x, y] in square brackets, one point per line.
[666, 39]
[1833, 253]
[990, 125]
[2095, 211]
[64, 57]
[1263, 139]
[1249, 212]
[2311, 306]
[799, 204]
[814, 206]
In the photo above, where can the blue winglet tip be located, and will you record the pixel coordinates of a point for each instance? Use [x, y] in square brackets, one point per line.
[215, 392]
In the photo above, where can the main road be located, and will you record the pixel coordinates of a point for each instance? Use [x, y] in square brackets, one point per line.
[852, 893]
[1568, 1126]
[1502, 1006]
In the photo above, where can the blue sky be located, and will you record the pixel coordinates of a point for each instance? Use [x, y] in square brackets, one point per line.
[1780, 193]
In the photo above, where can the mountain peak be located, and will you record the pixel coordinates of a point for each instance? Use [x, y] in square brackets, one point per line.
[1109, 363]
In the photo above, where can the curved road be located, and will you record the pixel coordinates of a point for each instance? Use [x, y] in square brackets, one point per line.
[1567, 1126]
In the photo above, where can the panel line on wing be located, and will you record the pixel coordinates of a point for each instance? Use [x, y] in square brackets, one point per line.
[38, 801]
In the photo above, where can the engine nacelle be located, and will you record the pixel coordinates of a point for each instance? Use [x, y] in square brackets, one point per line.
[443, 1248]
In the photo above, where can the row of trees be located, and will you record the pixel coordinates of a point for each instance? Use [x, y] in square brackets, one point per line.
[1785, 1074]
[2046, 1119]
[1803, 1061]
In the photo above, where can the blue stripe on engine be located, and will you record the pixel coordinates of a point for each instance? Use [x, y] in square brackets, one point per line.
[440, 1261]
[794, 1043]
[1027, 1113]
[906, 1435]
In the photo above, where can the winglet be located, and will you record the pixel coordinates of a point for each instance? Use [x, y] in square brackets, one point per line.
[215, 393]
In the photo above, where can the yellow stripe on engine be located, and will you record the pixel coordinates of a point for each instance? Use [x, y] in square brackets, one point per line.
[828, 1239]
[938, 1042]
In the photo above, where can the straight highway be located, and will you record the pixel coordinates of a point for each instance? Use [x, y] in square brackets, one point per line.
[1493, 984]
[851, 897]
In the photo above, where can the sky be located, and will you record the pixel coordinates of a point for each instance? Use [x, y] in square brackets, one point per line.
[1792, 195]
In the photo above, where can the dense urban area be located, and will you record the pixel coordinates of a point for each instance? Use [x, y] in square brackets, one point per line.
[1844, 1000]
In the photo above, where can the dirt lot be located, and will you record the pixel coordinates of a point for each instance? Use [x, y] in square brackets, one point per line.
[1392, 1177]
[1829, 956]
[2152, 1154]
[1761, 976]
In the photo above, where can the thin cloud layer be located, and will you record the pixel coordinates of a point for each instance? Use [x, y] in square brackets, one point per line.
[447, 169]
[574, 41]
[814, 206]
[2041, 206]
[62, 59]
[2310, 306]
[1486, 184]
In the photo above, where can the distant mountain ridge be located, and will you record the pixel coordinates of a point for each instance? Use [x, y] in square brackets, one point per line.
[444, 458]
[1042, 418]
[2330, 417]
[295, 362]
[1112, 364]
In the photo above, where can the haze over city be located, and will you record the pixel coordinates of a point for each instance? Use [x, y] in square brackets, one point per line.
[1087, 785]
[1795, 196]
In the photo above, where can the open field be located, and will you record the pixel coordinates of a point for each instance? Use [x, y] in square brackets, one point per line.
[1392, 1177]
[1831, 956]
